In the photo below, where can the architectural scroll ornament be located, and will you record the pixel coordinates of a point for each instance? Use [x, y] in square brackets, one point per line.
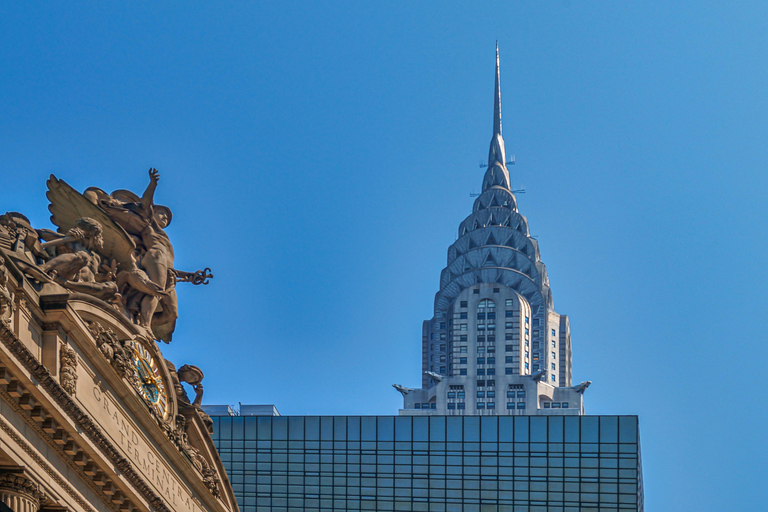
[68, 369]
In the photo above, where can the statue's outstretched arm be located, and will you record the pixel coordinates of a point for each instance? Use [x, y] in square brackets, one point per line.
[49, 235]
[148, 199]
[198, 277]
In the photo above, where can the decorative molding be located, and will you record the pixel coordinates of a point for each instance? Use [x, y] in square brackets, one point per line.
[6, 301]
[51, 442]
[19, 484]
[68, 369]
[114, 350]
[52, 473]
[119, 355]
[80, 418]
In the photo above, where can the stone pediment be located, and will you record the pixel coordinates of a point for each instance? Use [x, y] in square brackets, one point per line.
[89, 407]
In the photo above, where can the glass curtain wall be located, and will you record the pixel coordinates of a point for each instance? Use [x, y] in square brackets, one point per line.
[433, 463]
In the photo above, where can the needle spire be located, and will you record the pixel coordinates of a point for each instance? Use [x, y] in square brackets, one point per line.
[497, 98]
[497, 173]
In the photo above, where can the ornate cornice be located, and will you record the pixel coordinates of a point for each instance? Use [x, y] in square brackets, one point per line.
[80, 419]
[42, 463]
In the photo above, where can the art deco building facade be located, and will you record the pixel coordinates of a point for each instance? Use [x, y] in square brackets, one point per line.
[495, 345]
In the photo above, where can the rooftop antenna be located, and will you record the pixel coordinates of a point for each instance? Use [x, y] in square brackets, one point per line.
[511, 161]
[520, 190]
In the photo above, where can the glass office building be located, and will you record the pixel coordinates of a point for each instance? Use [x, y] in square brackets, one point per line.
[432, 463]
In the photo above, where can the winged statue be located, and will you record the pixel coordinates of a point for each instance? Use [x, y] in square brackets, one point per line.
[114, 247]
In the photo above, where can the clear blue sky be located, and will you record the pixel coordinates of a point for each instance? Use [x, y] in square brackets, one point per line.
[319, 157]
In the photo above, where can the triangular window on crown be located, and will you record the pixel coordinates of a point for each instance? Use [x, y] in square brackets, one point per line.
[475, 225]
[472, 243]
[491, 240]
[494, 202]
[491, 221]
[489, 261]
[467, 266]
[510, 241]
[506, 222]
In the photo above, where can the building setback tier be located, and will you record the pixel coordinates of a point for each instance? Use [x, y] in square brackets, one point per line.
[495, 334]
[432, 463]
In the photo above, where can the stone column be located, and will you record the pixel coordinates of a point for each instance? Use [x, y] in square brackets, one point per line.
[20, 493]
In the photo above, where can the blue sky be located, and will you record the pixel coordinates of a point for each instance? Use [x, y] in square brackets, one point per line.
[319, 157]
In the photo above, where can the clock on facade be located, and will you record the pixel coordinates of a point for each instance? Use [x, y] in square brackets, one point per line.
[150, 379]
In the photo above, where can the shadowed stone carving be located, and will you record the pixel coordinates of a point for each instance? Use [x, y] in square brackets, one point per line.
[6, 301]
[68, 369]
[116, 351]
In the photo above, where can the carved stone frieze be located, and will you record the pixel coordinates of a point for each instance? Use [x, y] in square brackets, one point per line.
[80, 418]
[68, 369]
[115, 351]
[210, 477]
[211, 480]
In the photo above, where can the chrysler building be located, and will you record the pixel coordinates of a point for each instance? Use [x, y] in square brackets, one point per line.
[495, 345]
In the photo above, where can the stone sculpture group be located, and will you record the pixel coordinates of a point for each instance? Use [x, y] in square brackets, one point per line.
[110, 246]
[110, 257]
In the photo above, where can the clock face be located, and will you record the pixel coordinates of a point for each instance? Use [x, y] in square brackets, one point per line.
[150, 379]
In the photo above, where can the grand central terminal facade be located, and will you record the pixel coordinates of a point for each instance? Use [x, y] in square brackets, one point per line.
[92, 416]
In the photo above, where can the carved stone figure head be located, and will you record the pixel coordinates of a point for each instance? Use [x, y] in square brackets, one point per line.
[163, 216]
[190, 374]
[93, 231]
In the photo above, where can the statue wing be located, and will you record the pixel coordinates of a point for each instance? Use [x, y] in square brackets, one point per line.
[68, 205]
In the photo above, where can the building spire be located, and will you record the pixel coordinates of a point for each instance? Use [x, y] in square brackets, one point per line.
[497, 98]
[497, 173]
